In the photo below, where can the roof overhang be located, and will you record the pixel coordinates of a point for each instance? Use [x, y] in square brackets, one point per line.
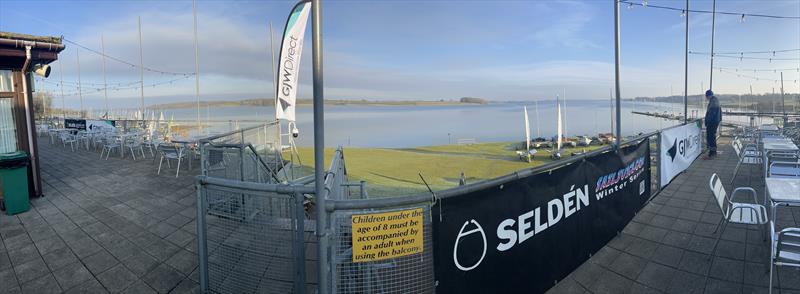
[44, 50]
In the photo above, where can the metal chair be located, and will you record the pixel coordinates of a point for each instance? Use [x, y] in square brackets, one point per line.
[748, 154]
[781, 169]
[784, 249]
[736, 212]
[112, 142]
[171, 151]
[67, 138]
[135, 143]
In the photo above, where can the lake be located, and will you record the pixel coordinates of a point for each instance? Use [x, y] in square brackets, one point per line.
[411, 126]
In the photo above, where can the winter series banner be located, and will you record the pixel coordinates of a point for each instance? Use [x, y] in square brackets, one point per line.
[525, 235]
[680, 146]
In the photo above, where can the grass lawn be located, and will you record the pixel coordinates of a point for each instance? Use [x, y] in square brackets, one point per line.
[396, 171]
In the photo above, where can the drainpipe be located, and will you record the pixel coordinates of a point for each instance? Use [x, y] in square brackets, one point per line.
[27, 101]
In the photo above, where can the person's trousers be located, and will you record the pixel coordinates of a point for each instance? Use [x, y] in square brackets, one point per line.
[711, 138]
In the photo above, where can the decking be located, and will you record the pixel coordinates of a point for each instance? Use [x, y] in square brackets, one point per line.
[667, 248]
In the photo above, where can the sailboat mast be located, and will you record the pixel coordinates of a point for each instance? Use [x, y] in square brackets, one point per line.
[538, 133]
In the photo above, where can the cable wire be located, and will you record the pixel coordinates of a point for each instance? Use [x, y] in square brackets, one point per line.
[126, 62]
[631, 4]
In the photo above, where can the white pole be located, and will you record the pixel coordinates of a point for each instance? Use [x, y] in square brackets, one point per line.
[275, 86]
[565, 113]
[196, 66]
[141, 66]
[611, 107]
[61, 77]
[538, 132]
[105, 83]
[80, 94]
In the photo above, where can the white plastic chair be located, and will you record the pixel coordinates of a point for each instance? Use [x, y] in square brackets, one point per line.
[736, 212]
[784, 249]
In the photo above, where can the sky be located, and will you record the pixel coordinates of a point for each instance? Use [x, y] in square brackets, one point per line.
[410, 50]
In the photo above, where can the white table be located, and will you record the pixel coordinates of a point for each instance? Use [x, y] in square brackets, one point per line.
[783, 192]
[767, 128]
[123, 138]
[776, 145]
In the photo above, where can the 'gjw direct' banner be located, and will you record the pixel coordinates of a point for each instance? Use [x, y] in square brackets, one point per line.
[289, 61]
[680, 146]
[524, 235]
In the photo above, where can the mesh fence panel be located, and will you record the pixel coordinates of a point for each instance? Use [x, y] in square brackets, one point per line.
[249, 239]
[250, 155]
[406, 274]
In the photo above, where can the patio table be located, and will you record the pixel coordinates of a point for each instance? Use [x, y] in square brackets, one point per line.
[768, 128]
[123, 137]
[783, 191]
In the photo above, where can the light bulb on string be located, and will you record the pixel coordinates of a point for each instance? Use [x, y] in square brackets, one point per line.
[644, 3]
[742, 19]
[683, 13]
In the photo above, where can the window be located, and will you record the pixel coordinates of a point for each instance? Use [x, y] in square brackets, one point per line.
[5, 81]
[8, 132]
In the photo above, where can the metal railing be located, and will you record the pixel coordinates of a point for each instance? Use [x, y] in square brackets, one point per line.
[251, 154]
[278, 210]
[255, 247]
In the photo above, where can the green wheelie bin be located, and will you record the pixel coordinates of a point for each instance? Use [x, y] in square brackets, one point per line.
[14, 182]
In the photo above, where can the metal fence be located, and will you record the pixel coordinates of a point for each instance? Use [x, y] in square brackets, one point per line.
[251, 237]
[251, 154]
[406, 274]
[258, 244]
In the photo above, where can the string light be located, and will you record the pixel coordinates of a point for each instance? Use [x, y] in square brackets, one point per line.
[710, 12]
[741, 57]
[742, 53]
[163, 72]
[683, 13]
[741, 75]
[82, 90]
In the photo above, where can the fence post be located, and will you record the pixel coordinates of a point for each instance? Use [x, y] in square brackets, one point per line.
[299, 245]
[202, 244]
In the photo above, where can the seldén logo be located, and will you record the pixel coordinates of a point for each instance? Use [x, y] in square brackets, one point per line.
[461, 234]
[516, 230]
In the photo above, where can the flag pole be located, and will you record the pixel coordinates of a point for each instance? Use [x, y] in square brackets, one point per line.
[319, 147]
[196, 65]
[616, 73]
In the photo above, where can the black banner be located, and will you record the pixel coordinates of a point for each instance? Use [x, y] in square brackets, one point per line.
[525, 235]
[79, 124]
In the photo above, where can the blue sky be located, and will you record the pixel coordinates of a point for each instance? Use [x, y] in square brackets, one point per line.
[500, 50]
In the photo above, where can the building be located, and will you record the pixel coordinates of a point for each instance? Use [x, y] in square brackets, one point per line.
[20, 55]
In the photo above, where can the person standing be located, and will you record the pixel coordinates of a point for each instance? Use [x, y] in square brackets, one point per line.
[712, 121]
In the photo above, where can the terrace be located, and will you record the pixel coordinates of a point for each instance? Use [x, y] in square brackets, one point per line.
[667, 248]
[103, 226]
[116, 226]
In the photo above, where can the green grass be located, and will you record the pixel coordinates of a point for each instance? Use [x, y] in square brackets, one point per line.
[396, 171]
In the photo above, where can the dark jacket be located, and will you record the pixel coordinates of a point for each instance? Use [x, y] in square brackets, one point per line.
[713, 112]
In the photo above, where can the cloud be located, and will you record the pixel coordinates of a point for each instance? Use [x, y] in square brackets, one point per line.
[566, 31]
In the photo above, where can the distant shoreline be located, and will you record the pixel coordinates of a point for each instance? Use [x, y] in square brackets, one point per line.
[309, 102]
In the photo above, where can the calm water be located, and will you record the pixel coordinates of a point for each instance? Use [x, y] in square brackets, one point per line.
[409, 126]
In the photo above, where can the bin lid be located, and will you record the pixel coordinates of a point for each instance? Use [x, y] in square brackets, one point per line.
[14, 156]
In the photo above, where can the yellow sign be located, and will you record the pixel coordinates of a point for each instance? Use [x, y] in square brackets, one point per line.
[387, 235]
